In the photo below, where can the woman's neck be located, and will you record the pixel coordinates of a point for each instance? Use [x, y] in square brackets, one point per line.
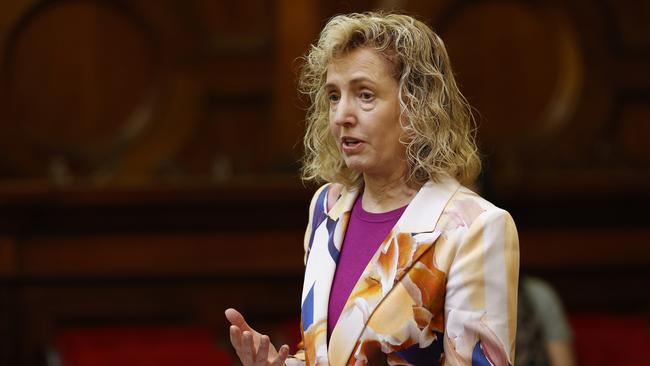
[383, 195]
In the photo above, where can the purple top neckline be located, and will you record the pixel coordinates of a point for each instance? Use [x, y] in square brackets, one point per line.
[365, 233]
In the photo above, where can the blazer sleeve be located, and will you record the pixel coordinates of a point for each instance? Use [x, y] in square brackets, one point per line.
[481, 293]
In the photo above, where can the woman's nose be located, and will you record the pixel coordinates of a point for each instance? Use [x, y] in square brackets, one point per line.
[345, 113]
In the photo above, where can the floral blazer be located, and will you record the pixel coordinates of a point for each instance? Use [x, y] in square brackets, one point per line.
[440, 290]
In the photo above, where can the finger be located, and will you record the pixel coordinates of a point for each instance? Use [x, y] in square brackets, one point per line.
[263, 351]
[283, 353]
[248, 348]
[236, 341]
[235, 318]
[235, 336]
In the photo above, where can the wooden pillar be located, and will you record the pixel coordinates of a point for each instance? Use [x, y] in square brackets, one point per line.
[297, 26]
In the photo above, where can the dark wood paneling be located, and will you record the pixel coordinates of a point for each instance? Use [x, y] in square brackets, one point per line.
[584, 248]
[104, 92]
[46, 307]
[198, 208]
[254, 253]
[170, 256]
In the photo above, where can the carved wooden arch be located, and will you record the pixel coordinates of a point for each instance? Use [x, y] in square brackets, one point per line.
[502, 50]
[82, 124]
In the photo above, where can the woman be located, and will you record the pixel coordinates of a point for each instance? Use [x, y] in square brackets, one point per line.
[404, 265]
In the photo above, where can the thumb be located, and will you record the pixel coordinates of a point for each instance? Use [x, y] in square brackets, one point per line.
[235, 318]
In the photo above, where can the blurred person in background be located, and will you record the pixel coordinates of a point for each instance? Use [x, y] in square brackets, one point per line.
[544, 336]
[404, 264]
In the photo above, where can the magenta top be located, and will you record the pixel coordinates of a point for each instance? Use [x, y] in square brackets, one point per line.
[365, 233]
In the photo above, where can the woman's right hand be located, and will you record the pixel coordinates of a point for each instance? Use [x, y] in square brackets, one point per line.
[253, 348]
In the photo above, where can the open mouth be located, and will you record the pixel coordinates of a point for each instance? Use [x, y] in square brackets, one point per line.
[350, 142]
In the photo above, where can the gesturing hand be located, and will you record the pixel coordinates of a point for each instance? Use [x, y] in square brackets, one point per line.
[253, 348]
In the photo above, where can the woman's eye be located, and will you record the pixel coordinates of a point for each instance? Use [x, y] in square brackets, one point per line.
[366, 96]
[333, 98]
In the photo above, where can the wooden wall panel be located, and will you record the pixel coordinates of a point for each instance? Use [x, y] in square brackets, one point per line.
[584, 248]
[7, 257]
[142, 139]
[297, 26]
[567, 75]
[136, 302]
[146, 257]
[549, 81]
[223, 254]
[107, 92]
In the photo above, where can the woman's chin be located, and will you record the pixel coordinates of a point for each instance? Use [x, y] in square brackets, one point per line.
[356, 167]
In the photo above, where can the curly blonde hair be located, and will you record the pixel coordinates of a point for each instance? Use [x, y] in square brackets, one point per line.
[439, 130]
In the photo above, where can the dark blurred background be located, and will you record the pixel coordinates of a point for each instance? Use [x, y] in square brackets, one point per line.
[149, 155]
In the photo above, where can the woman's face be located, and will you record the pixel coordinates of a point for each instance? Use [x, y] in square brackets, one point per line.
[364, 113]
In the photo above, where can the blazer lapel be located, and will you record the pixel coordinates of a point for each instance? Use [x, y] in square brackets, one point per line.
[319, 273]
[413, 234]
